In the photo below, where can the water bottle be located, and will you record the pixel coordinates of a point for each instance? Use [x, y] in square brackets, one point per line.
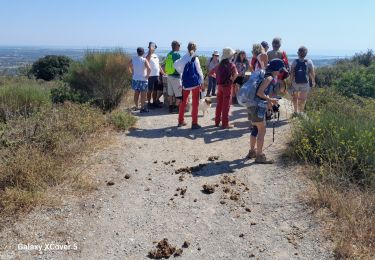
[261, 109]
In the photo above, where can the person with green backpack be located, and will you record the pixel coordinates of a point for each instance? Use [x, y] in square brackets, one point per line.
[174, 78]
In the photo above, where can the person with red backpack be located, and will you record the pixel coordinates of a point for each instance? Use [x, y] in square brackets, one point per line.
[192, 80]
[301, 72]
[226, 73]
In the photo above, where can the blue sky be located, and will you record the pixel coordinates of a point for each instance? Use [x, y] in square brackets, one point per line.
[329, 27]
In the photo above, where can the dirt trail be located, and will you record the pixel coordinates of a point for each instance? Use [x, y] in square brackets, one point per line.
[246, 210]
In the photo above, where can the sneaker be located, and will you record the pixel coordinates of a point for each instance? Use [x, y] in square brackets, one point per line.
[261, 159]
[144, 110]
[252, 154]
[181, 124]
[195, 126]
[229, 126]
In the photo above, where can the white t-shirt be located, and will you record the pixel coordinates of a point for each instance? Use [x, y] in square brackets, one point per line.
[179, 65]
[139, 68]
[154, 64]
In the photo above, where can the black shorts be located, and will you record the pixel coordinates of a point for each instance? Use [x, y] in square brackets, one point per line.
[239, 80]
[154, 84]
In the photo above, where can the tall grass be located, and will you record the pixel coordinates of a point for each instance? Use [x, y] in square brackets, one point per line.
[337, 138]
[103, 76]
[22, 98]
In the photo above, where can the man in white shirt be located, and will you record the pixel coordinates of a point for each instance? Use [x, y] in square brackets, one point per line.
[155, 88]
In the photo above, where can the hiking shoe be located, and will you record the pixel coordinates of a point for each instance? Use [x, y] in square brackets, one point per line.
[181, 124]
[252, 154]
[261, 159]
[195, 126]
[144, 110]
[229, 126]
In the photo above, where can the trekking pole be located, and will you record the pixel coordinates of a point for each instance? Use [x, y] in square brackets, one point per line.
[273, 130]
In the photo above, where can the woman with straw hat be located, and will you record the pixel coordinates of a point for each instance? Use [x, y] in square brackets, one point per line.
[226, 73]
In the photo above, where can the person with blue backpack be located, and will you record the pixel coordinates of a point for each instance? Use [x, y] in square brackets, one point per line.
[254, 94]
[192, 80]
[302, 70]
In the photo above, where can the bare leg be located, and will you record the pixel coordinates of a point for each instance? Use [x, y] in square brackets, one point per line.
[149, 96]
[253, 141]
[295, 101]
[143, 99]
[136, 98]
[260, 137]
[302, 100]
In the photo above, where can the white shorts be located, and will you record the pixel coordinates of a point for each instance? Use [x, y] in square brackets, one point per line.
[174, 86]
[299, 87]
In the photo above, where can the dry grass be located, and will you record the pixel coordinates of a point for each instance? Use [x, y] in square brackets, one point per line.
[36, 151]
[352, 223]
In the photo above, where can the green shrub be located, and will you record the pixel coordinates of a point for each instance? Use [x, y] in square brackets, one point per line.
[203, 62]
[66, 93]
[122, 120]
[339, 137]
[103, 76]
[329, 75]
[50, 67]
[359, 82]
[22, 98]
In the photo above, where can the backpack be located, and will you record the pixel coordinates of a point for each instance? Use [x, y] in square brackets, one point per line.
[246, 96]
[169, 68]
[190, 76]
[300, 72]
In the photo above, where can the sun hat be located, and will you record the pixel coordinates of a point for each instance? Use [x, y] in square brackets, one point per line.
[277, 65]
[227, 53]
[152, 45]
[216, 53]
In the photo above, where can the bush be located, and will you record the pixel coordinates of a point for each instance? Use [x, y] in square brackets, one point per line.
[50, 67]
[122, 120]
[66, 93]
[329, 75]
[359, 82]
[34, 151]
[103, 76]
[22, 98]
[339, 137]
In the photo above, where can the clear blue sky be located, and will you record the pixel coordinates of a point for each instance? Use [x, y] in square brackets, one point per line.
[324, 26]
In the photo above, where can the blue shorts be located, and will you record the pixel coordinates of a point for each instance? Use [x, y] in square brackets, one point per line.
[139, 85]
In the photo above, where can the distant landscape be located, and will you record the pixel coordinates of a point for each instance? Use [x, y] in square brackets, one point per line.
[12, 58]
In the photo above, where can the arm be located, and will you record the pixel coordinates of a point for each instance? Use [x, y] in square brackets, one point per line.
[130, 67]
[264, 60]
[199, 69]
[234, 73]
[148, 68]
[161, 70]
[312, 76]
[262, 88]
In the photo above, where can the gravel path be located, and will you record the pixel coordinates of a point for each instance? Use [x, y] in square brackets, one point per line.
[254, 211]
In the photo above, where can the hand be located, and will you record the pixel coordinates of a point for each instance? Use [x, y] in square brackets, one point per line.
[274, 101]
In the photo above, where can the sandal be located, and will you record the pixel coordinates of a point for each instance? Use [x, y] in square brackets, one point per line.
[252, 154]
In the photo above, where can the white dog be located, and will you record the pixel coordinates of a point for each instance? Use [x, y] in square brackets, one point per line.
[204, 105]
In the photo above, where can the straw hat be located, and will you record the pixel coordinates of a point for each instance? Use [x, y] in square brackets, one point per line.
[227, 53]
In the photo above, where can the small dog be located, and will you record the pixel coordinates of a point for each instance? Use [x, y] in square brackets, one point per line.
[204, 105]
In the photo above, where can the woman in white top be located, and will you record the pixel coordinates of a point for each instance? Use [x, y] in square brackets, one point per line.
[180, 66]
[140, 68]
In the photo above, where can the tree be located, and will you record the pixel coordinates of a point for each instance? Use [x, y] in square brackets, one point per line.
[50, 67]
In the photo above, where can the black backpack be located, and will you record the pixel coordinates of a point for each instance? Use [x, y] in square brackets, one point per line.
[301, 72]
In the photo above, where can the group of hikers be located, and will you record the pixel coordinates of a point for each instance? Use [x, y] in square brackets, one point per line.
[254, 83]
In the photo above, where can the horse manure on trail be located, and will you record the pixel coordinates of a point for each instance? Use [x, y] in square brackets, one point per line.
[213, 158]
[164, 250]
[208, 189]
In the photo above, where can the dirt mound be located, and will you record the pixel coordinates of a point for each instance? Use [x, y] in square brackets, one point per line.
[191, 169]
[164, 250]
